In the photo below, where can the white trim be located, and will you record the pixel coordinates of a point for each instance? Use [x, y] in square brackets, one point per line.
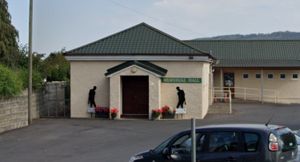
[138, 67]
[295, 78]
[146, 58]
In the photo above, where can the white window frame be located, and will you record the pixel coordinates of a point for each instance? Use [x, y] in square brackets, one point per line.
[270, 74]
[259, 75]
[282, 74]
[245, 74]
[293, 77]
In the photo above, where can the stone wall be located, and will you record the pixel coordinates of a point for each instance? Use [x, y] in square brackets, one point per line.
[14, 111]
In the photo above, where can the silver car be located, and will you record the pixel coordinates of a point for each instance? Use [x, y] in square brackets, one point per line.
[297, 133]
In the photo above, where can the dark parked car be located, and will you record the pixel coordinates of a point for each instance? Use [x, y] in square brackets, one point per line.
[227, 143]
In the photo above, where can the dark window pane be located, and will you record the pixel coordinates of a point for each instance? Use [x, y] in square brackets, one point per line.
[270, 76]
[183, 144]
[258, 76]
[223, 142]
[245, 76]
[282, 76]
[200, 143]
[295, 76]
[251, 142]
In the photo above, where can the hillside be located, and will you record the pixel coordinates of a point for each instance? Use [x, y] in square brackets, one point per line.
[287, 35]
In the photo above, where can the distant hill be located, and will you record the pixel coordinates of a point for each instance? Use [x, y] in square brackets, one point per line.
[287, 35]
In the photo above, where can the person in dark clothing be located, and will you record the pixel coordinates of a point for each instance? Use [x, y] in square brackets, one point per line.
[181, 98]
[92, 94]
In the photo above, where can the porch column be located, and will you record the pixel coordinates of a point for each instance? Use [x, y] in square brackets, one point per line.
[211, 85]
[221, 81]
[262, 86]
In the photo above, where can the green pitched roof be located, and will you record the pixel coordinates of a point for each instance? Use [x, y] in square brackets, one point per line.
[252, 53]
[141, 39]
[144, 64]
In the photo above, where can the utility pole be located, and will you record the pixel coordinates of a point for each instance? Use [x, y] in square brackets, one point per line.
[30, 62]
[193, 135]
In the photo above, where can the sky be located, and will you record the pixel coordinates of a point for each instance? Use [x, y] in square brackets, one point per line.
[68, 24]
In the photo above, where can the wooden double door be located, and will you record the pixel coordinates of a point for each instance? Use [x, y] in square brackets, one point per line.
[135, 96]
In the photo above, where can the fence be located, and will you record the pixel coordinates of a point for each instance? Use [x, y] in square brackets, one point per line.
[251, 94]
[56, 100]
[224, 97]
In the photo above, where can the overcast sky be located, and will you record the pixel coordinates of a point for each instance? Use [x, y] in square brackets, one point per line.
[72, 23]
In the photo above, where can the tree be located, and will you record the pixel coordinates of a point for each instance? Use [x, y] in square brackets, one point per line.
[8, 37]
[37, 67]
[56, 67]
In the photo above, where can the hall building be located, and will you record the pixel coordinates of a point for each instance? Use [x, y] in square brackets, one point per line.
[138, 69]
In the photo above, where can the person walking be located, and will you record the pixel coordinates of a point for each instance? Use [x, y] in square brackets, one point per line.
[181, 98]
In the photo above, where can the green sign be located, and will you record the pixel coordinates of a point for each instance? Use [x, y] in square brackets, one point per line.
[181, 80]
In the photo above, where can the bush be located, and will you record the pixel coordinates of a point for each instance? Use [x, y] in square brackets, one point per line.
[37, 80]
[10, 85]
[56, 67]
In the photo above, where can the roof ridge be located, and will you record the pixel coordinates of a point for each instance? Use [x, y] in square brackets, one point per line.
[174, 38]
[107, 37]
[147, 26]
[239, 40]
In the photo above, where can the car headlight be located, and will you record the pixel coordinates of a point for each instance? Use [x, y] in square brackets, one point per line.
[134, 158]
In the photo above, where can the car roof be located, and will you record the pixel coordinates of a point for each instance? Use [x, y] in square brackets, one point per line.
[261, 127]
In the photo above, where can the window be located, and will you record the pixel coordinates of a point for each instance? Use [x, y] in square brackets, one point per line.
[183, 144]
[223, 142]
[258, 76]
[251, 142]
[282, 76]
[295, 76]
[270, 76]
[245, 76]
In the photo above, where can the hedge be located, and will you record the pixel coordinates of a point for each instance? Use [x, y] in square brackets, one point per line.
[37, 80]
[10, 84]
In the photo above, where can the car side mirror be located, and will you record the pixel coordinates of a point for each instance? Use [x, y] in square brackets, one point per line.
[166, 151]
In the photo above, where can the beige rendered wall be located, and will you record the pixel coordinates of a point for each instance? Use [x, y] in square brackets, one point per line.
[216, 78]
[84, 75]
[193, 91]
[288, 89]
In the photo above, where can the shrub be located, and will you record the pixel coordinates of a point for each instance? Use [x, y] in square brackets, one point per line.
[10, 85]
[37, 80]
